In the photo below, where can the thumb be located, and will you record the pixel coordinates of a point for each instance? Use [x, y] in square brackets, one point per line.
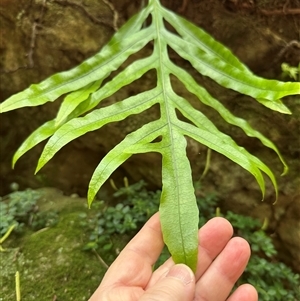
[177, 285]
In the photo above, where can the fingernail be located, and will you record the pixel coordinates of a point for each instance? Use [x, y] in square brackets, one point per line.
[182, 272]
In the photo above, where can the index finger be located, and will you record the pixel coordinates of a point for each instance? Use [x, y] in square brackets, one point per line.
[133, 267]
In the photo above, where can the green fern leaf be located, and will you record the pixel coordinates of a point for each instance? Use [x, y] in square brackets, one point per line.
[81, 112]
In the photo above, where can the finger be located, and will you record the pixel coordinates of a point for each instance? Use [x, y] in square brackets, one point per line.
[213, 237]
[245, 292]
[217, 282]
[133, 267]
[177, 285]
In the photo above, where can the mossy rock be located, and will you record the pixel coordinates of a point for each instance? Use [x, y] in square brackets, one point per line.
[51, 261]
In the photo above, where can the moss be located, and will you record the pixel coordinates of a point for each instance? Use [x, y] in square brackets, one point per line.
[51, 261]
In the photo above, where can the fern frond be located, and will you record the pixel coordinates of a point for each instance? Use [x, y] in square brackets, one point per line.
[81, 112]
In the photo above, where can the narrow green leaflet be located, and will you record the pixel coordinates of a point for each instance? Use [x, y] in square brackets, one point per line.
[234, 152]
[229, 76]
[275, 105]
[121, 152]
[178, 208]
[96, 68]
[40, 134]
[82, 111]
[95, 120]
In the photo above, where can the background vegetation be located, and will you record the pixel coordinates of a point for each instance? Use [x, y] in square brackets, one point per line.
[69, 250]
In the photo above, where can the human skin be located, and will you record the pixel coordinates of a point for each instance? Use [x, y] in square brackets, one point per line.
[221, 260]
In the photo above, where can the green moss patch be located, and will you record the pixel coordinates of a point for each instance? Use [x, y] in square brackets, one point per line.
[51, 262]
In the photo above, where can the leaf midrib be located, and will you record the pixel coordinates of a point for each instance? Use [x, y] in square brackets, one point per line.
[161, 50]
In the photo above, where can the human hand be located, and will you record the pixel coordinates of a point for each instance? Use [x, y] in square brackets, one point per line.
[222, 259]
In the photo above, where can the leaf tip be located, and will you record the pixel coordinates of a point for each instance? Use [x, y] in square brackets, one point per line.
[2, 107]
[39, 166]
[91, 195]
[276, 196]
[14, 161]
[90, 201]
[285, 170]
[263, 193]
[287, 112]
[17, 155]
[275, 105]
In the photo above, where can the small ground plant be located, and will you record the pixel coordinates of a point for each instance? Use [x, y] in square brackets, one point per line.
[273, 279]
[20, 209]
[134, 208]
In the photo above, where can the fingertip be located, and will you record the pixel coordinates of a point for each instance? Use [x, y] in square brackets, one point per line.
[245, 292]
[220, 223]
[234, 258]
[250, 292]
[213, 237]
[242, 248]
